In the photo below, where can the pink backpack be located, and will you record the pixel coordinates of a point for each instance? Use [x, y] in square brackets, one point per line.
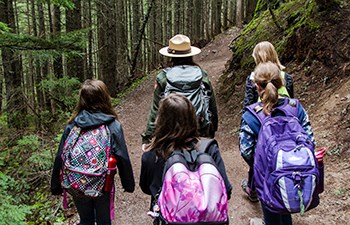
[193, 190]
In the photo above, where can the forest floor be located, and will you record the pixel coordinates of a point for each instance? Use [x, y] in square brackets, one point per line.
[130, 209]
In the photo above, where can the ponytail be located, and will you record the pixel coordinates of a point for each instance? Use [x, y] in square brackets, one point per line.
[270, 98]
[267, 77]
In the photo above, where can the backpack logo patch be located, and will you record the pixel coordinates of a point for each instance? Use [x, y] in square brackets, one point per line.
[84, 156]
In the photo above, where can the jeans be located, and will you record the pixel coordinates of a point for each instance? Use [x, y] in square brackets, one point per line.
[271, 218]
[93, 210]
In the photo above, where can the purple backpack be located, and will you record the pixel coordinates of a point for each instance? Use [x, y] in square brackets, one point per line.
[193, 190]
[285, 166]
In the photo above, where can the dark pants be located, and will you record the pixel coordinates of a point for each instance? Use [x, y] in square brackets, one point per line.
[93, 210]
[271, 218]
[250, 162]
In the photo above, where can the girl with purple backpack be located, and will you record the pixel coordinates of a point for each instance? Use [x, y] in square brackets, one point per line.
[263, 52]
[176, 129]
[268, 80]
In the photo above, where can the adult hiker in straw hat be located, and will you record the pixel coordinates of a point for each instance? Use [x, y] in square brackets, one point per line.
[187, 78]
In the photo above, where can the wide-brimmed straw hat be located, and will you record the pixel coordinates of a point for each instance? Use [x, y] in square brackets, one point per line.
[179, 46]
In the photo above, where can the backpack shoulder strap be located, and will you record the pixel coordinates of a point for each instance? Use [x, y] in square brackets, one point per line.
[290, 107]
[205, 143]
[257, 110]
[161, 79]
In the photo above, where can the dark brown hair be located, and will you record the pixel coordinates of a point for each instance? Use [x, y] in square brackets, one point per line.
[94, 97]
[267, 76]
[178, 61]
[176, 125]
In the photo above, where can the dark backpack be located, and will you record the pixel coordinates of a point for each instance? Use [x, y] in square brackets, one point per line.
[285, 167]
[187, 81]
[85, 164]
[193, 190]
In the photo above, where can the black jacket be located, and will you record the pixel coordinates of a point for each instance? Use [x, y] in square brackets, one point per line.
[152, 171]
[89, 120]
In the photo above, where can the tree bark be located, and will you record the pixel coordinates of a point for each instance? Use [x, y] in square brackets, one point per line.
[56, 30]
[239, 13]
[251, 4]
[122, 45]
[75, 65]
[107, 39]
[12, 66]
[43, 70]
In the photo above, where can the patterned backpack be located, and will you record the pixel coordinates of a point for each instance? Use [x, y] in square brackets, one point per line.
[193, 190]
[85, 154]
[285, 168]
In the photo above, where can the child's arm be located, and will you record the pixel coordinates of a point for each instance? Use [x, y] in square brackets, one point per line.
[123, 161]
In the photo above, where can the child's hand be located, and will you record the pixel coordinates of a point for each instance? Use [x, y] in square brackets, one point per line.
[143, 147]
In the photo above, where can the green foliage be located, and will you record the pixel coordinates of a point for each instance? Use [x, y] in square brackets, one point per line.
[341, 192]
[11, 210]
[4, 28]
[291, 16]
[67, 4]
[63, 90]
[69, 44]
[3, 120]
[29, 161]
[40, 158]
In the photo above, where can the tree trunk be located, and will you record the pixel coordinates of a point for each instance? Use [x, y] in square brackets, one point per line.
[90, 69]
[15, 101]
[107, 54]
[232, 12]
[75, 65]
[239, 13]
[122, 45]
[251, 4]
[56, 29]
[140, 35]
[177, 17]
[218, 17]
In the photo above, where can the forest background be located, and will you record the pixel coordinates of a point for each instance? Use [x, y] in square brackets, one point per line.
[48, 47]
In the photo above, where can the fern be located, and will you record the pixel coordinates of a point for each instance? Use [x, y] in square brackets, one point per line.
[11, 211]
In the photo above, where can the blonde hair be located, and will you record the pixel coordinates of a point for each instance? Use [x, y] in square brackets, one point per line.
[264, 52]
[267, 77]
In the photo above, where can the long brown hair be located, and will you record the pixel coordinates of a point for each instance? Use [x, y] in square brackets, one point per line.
[267, 77]
[176, 125]
[94, 97]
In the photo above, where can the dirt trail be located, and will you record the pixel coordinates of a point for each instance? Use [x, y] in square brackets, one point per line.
[131, 208]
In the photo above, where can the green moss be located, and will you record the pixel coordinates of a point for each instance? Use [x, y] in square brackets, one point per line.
[290, 16]
[116, 101]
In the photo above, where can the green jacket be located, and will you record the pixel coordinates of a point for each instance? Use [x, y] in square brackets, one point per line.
[157, 96]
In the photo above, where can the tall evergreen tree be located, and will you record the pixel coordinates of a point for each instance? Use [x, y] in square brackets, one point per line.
[12, 66]
[75, 65]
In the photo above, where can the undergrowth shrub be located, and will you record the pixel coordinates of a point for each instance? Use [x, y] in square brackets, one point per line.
[12, 210]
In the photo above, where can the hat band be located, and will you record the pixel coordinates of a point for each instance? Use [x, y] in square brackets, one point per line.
[179, 52]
